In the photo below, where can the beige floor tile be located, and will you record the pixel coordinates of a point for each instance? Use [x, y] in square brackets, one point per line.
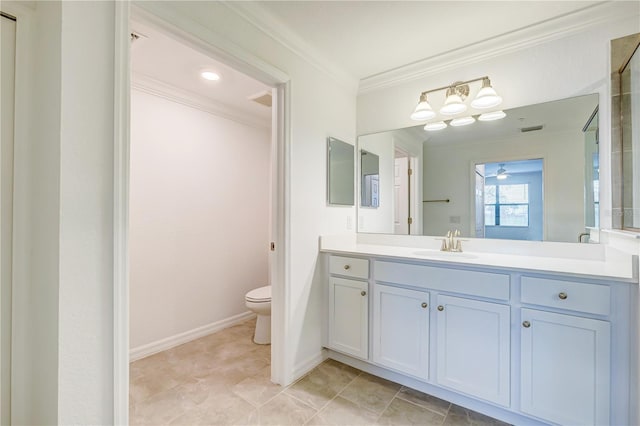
[162, 408]
[432, 403]
[401, 412]
[323, 383]
[152, 383]
[371, 392]
[459, 416]
[258, 389]
[341, 411]
[222, 408]
[285, 410]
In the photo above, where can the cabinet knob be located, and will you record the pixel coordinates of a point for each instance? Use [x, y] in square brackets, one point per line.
[424, 304]
[526, 324]
[441, 308]
[363, 293]
[346, 267]
[562, 295]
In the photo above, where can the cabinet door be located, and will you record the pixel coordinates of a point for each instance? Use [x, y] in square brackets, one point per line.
[401, 330]
[565, 372]
[348, 317]
[473, 351]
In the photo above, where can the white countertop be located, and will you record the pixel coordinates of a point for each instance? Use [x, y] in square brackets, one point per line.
[597, 261]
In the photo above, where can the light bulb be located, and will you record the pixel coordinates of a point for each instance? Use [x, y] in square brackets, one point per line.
[486, 97]
[423, 110]
[493, 115]
[453, 105]
[462, 121]
[210, 75]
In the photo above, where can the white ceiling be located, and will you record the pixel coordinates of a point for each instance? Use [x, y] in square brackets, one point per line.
[158, 61]
[366, 38]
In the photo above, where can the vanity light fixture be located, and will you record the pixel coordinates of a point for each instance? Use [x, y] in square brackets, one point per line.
[456, 95]
[437, 125]
[210, 75]
[462, 121]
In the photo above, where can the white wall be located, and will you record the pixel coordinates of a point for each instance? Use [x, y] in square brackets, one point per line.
[199, 217]
[448, 174]
[562, 68]
[64, 309]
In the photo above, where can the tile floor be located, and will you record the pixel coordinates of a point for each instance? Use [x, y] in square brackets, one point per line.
[223, 379]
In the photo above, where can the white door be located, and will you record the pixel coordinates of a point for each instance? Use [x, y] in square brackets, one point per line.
[7, 88]
[401, 330]
[473, 347]
[479, 196]
[348, 317]
[401, 195]
[565, 368]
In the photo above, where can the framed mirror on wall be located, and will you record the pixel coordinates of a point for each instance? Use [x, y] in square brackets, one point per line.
[340, 173]
[550, 190]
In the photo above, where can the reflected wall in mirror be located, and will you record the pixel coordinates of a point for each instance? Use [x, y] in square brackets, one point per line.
[454, 180]
[340, 172]
[630, 132]
[369, 178]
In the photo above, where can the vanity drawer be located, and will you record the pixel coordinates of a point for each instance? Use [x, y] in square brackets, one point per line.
[349, 266]
[570, 295]
[483, 284]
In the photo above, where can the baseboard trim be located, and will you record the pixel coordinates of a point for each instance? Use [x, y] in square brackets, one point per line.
[187, 336]
[309, 364]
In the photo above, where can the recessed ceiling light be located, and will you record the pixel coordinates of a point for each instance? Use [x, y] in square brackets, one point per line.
[210, 75]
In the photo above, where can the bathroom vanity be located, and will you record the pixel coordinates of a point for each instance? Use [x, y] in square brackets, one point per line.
[526, 332]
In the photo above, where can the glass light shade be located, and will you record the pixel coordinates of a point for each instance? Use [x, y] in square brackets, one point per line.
[462, 121]
[493, 115]
[438, 125]
[423, 112]
[453, 105]
[503, 176]
[486, 98]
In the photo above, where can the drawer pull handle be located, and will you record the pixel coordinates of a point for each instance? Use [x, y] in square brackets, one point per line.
[562, 295]
[526, 324]
[347, 267]
[424, 304]
[441, 308]
[363, 293]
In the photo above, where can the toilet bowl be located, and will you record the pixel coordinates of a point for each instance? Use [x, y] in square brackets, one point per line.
[259, 301]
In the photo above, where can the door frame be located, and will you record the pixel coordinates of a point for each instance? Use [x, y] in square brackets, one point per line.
[203, 39]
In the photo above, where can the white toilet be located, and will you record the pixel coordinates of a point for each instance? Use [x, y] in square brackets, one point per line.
[259, 301]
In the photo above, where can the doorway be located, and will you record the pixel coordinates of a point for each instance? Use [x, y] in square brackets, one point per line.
[278, 217]
[406, 219]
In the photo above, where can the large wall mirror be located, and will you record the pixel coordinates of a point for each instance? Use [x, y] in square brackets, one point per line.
[533, 175]
[340, 172]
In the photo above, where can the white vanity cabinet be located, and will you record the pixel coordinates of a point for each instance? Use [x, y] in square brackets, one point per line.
[349, 306]
[401, 330]
[565, 358]
[473, 347]
[525, 346]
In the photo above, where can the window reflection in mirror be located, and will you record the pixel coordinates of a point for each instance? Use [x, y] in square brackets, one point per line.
[555, 132]
[369, 179]
[340, 172]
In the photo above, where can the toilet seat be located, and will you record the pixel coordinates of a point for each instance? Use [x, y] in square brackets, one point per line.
[259, 295]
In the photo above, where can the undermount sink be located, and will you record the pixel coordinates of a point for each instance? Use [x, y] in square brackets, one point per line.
[445, 254]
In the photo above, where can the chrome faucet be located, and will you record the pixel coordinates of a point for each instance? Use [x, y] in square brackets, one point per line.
[451, 242]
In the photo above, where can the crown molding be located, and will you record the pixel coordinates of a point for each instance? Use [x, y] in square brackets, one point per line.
[167, 91]
[273, 27]
[514, 41]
